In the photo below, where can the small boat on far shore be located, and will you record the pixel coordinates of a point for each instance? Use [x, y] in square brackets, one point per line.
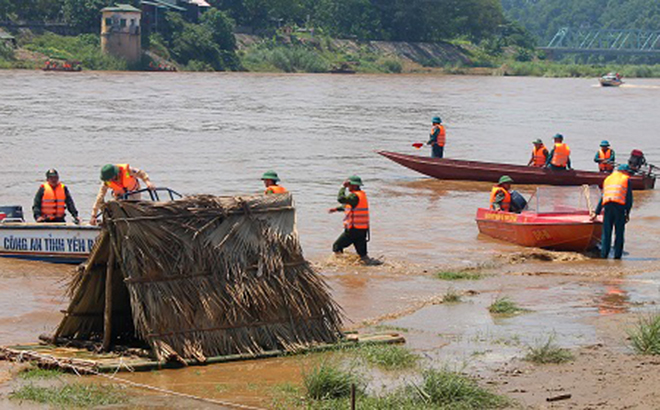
[610, 80]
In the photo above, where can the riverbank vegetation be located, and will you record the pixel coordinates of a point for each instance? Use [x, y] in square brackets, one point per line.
[645, 335]
[546, 351]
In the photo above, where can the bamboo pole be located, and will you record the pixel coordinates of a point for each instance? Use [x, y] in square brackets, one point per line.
[107, 316]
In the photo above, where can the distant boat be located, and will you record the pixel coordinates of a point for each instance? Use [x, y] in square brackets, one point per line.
[611, 80]
[456, 169]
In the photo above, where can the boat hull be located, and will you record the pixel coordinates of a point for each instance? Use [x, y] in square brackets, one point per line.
[52, 242]
[610, 83]
[560, 232]
[454, 169]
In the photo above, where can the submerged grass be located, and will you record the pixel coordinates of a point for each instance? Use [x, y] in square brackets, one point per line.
[547, 351]
[505, 307]
[70, 395]
[645, 336]
[388, 357]
[328, 380]
[459, 275]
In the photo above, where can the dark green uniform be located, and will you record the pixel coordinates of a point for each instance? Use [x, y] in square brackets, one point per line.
[356, 237]
[615, 216]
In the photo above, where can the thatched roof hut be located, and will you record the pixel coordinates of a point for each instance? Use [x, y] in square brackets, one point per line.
[200, 277]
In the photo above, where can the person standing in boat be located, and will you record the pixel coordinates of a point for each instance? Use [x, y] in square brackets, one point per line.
[52, 200]
[122, 179]
[437, 138]
[539, 155]
[560, 156]
[616, 203]
[605, 157]
[271, 179]
[500, 195]
[356, 218]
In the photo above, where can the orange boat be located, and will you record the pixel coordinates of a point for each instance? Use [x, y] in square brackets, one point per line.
[548, 222]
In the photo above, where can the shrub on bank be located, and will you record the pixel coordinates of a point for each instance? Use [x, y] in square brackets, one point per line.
[85, 48]
[645, 336]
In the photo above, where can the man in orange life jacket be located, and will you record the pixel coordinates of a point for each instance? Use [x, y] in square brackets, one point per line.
[500, 196]
[121, 178]
[539, 155]
[560, 156]
[617, 201]
[437, 138]
[356, 218]
[605, 157]
[52, 199]
[271, 179]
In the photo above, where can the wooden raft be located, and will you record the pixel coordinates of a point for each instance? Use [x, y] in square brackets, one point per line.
[79, 360]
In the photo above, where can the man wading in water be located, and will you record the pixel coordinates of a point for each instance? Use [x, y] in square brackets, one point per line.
[356, 219]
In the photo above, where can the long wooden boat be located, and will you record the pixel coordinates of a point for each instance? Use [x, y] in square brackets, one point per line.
[555, 231]
[456, 169]
[52, 242]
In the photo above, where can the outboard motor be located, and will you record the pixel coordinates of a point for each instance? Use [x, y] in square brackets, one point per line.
[12, 213]
[518, 202]
[636, 160]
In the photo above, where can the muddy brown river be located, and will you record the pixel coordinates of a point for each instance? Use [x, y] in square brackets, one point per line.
[217, 133]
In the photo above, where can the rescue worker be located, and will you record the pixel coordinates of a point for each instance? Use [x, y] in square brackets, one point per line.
[539, 155]
[271, 179]
[500, 195]
[559, 158]
[605, 157]
[437, 138]
[52, 200]
[356, 218]
[617, 201]
[121, 178]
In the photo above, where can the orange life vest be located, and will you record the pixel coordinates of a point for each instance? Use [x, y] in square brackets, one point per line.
[125, 183]
[615, 188]
[357, 217]
[53, 203]
[442, 136]
[275, 189]
[506, 203]
[560, 157]
[604, 166]
[540, 156]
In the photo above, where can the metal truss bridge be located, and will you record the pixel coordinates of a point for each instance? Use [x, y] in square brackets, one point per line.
[604, 42]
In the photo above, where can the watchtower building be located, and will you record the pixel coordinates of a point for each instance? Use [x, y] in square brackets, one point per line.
[120, 32]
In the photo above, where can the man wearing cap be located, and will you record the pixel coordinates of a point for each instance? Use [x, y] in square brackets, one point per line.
[356, 218]
[271, 179]
[121, 178]
[605, 157]
[437, 138]
[559, 158]
[539, 155]
[500, 195]
[52, 200]
[616, 202]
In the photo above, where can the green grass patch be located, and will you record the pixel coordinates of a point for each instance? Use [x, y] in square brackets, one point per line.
[388, 357]
[547, 351]
[645, 336]
[70, 395]
[505, 307]
[458, 275]
[451, 296]
[85, 48]
[388, 328]
[328, 380]
[39, 374]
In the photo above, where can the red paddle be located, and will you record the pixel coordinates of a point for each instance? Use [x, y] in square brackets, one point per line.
[418, 145]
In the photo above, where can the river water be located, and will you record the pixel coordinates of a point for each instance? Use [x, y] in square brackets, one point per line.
[217, 133]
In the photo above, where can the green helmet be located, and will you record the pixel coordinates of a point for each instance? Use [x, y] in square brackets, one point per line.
[604, 143]
[270, 174]
[108, 172]
[436, 120]
[538, 141]
[52, 173]
[505, 179]
[558, 137]
[355, 180]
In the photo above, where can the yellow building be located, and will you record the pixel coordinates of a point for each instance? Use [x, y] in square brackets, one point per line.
[120, 32]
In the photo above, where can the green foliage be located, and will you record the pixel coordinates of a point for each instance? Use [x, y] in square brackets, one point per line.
[328, 380]
[506, 307]
[85, 48]
[459, 275]
[451, 296]
[388, 357]
[564, 69]
[544, 352]
[645, 336]
[6, 52]
[38, 373]
[70, 395]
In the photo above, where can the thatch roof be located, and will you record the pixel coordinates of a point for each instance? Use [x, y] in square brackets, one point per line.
[203, 276]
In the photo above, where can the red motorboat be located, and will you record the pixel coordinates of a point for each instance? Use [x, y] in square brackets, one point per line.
[555, 218]
[456, 169]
